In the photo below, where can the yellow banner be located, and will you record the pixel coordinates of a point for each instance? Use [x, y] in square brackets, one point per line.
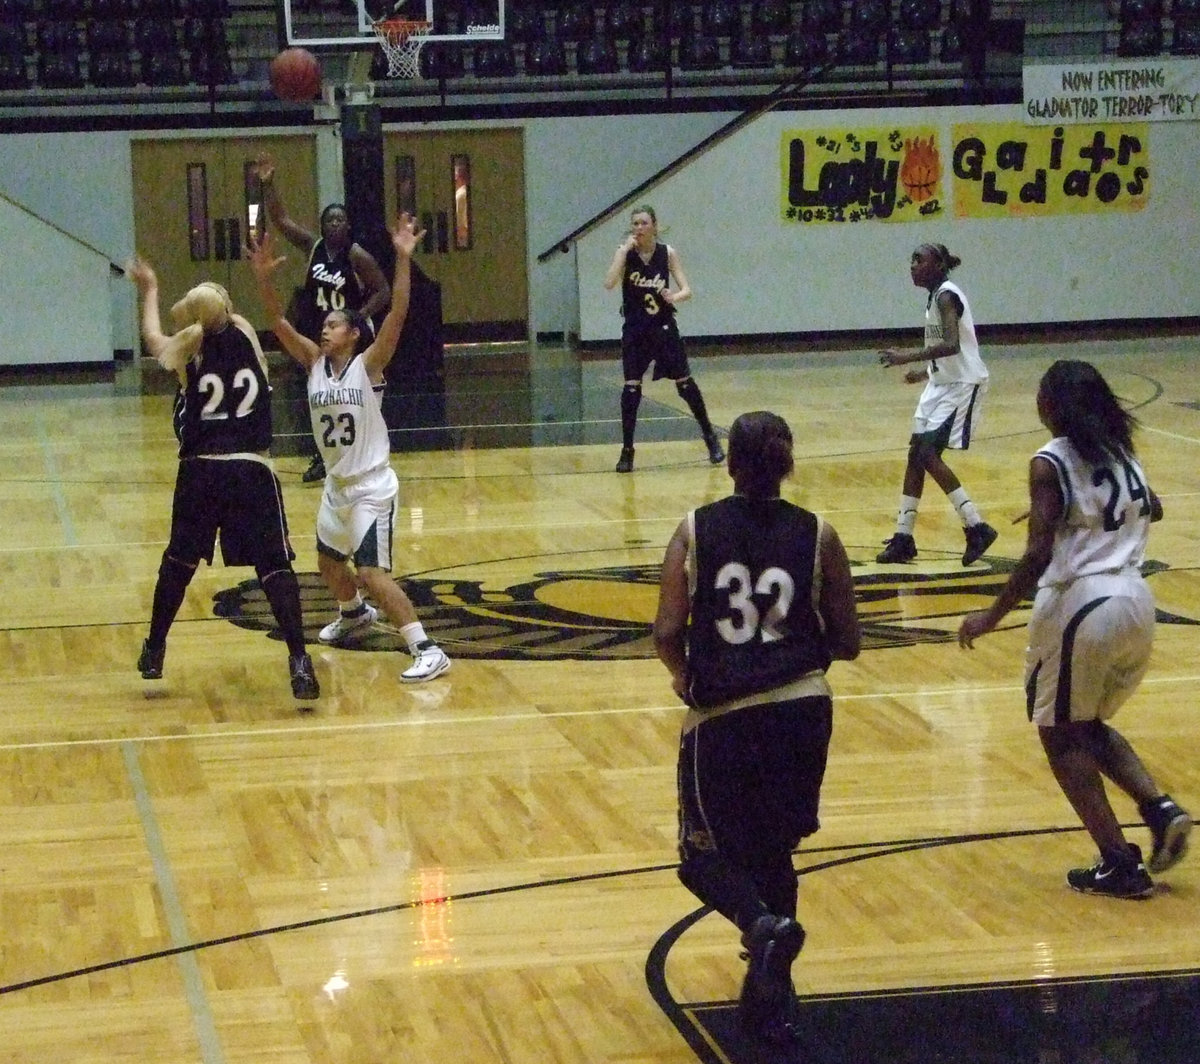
[888, 175]
[1010, 170]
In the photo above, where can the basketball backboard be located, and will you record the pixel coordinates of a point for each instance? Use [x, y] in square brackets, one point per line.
[349, 25]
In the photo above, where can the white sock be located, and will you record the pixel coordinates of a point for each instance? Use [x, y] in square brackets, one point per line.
[967, 513]
[906, 518]
[414, 635]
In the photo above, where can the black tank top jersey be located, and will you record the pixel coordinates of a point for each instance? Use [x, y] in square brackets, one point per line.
[641, 299]
[225, 407]
[753, 624]
[331, 284]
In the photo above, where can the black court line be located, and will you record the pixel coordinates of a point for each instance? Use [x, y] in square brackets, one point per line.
[898, 846]
[1045, 1019]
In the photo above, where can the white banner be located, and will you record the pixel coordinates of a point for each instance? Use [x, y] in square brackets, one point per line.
[1146, 90]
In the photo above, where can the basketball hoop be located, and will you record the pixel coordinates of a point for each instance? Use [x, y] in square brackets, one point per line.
[401, 39]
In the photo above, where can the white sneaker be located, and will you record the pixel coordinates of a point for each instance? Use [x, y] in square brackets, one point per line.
[338, 630]
[430, 662]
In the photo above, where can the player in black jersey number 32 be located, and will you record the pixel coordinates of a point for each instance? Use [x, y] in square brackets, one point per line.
[756, 601]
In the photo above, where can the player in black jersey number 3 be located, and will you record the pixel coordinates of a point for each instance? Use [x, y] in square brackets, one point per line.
[225, 481]
[645, 268]
[756, 601]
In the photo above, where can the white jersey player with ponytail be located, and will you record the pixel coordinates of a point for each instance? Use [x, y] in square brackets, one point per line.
[357, 515]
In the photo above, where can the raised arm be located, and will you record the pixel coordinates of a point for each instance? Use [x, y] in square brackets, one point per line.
[171, 352]
[294, 233]
[405, 237]
[264, 262]
[142, 274]
[378, 295]
[617, 267]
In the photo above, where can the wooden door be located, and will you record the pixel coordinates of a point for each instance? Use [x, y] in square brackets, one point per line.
[194, 200]
[468, 189]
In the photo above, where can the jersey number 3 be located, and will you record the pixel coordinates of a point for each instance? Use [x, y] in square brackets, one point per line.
[747, 620]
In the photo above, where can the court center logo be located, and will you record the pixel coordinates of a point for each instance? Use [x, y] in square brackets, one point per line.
[521, 609]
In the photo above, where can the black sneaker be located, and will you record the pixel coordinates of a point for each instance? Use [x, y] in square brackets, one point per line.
[304, 678]
[315, 470]
[780, 1025]
[625, 462]
[900, 548]
[979, 538]
[1169, 827]
[716, 455]
[771, 944]
[1116, 879]
[150, 661]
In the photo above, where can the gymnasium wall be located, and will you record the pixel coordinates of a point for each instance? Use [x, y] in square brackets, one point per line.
[1074, 258]
[752, 273]
[60, 293]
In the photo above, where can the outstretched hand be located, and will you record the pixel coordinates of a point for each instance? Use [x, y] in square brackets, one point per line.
[260, 251]
[264, 167]
[406, 234]
[141, 273]
[891, 357]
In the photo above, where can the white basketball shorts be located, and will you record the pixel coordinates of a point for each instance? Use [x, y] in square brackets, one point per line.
[1089, 645]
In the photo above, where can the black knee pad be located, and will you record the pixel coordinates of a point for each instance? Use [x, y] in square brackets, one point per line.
[173, 563]
[265, 570]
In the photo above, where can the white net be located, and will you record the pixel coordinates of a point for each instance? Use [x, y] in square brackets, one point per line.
[401, 40]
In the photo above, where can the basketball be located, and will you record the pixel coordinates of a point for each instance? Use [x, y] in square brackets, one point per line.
[296, 74]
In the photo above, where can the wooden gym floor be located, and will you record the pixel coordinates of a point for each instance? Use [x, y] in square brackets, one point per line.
[482, 868]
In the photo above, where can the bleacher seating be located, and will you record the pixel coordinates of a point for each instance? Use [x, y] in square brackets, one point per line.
[597, 55]
[648, 55]
[671, 19]
[721, 18]
[442, 61]
[60, 55]
[546, 57]
[751, 50]
[13, 72]
[560, 46]
[771, 17]
[908, 46]
[806, 49]
[574, 21]
[699, 51]
[625, 20]
[824, 16]
[919, 14]
[495, 59]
